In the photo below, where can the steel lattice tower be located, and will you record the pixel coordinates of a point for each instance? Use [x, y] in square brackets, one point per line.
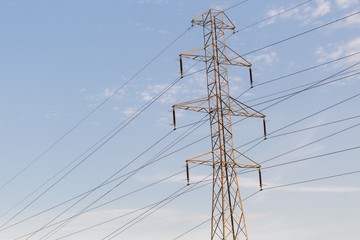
[228, 219]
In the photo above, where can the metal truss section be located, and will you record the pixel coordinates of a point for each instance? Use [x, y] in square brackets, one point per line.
[228, 218]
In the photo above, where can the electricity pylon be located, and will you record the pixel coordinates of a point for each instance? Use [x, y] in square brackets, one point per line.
[228, 219]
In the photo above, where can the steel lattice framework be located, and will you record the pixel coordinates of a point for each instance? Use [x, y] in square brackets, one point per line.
[228, 219]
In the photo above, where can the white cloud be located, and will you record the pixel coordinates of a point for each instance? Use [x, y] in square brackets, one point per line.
[346, 3]
[353, 21]
[168, 96]
[282, 13]
[51, 115]
[197, 81]
[129, 111]
[141, 26]
[267, 58]
[334, 51]
[308, 13]
[217, 7]
[104, 94]
[323, 7]
[259, 215]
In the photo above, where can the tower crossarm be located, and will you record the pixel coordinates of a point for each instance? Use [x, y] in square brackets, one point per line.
[240, 109]
[226, 56]
[198, 105]
[240, 161]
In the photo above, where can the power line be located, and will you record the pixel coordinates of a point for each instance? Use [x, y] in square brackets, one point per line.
[313, 180]
[295, 73]
[95, 207]
[300, 86]
[307, 69]
[156, 158]
[93, 111]
[300, 91]
[171, 197]
[300, 34]
[295, 122]
[273, 16]
[149, 207]
[313, 85]
[130, 119]
[312, 157]
[89, 205]
[303, 159]
[337, 152]
[233, 6]
[115, 92]
[276, 187]
[132, 172]
[109, 136]
[316, 126]
[132, 223]
[309, 116]
[310, 143]
[102, 184]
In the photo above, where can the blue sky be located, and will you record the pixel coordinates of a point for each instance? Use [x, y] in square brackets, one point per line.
[74, 74]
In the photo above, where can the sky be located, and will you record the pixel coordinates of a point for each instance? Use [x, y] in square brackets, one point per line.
[88, 149]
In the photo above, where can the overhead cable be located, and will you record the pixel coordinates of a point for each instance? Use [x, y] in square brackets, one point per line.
[302, 33]
[94, 110]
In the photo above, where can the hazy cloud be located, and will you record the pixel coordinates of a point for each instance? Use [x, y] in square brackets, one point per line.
[168, 96]
[129, 111]
[310, 12]
[104, 94]
[267, 58]
[322, 8]
[346, 3]
[51, 115]
[336, 50]
[353, 21]
[144, 28]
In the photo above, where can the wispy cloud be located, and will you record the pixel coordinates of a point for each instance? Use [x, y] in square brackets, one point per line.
[51, 115]
[168, 96]
[322, 8]
[266, 58]
[104, 94]
[336, 50]
[353, 21]
[129, 111]
[307, 14]
[146, 28]
[346, 3]
[258, 215]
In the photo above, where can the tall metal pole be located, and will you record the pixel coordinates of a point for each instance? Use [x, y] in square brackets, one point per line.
[228, 218]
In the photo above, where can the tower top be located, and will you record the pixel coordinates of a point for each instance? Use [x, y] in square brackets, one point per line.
[216, 16]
